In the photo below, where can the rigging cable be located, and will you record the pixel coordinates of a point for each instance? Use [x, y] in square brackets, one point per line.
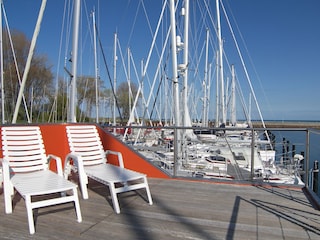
[108, 73]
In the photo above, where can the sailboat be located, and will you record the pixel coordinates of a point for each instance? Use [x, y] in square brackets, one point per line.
[229, 150]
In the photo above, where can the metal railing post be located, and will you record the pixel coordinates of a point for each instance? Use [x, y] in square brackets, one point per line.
[175, 153]
[306, 164]
[252, 154]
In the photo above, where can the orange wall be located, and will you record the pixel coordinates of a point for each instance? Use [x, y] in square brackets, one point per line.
[131, 159]
[55, 140]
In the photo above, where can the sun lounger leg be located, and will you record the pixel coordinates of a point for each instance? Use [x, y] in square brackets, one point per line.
[30, 214]
[83, 178]
[148, 191]
[114, 198]
[83, 184]
[8, 202]
[8, 190]
[77, 205]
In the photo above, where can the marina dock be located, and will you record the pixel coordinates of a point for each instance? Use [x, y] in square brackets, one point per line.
[182, 209]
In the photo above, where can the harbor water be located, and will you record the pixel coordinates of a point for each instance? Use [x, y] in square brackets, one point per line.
[295, 142]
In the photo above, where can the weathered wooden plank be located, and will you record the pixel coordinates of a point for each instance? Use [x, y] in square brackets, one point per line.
[181, 210]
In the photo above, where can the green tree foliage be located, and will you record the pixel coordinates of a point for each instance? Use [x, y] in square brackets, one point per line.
[123, 96]
[86, 95]
[43, 102]
[38, 88]
[86, 98]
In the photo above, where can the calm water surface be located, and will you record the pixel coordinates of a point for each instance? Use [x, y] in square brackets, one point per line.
[295, 142]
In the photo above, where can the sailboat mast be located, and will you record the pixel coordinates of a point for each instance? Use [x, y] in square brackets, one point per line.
[233, 97]
[114, 80]
[220, 67]
[249, 115]
[1, 66]
[217, 90]
[205, 85]
[185, 63]
[129, 87]
[177, 137]
[95, 63]
[29, 58]
[174, 64]
[75, 37]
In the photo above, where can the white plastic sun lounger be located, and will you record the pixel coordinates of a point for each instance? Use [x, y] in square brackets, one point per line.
[90, 160]
[26, 169]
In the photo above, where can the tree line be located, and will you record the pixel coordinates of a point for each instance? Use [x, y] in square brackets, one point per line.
[44, 99]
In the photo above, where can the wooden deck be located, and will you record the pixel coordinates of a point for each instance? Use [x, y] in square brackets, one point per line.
[181, 210]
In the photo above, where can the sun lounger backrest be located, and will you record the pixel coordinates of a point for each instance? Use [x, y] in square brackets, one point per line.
[23, 148]
[84, 140]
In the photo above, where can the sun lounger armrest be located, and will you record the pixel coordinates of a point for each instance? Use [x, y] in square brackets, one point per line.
[57, 159]
[77, 162]
[120, 159]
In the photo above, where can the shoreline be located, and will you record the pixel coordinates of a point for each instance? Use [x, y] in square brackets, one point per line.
[288, 124]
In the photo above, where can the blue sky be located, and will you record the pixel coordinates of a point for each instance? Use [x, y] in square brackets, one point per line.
[281, 38]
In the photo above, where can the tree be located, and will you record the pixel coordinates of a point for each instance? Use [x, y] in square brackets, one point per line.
[123, 95]
[44, 103]
[86, 94]
[59, 103]
[86, 98]
[38, 88]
